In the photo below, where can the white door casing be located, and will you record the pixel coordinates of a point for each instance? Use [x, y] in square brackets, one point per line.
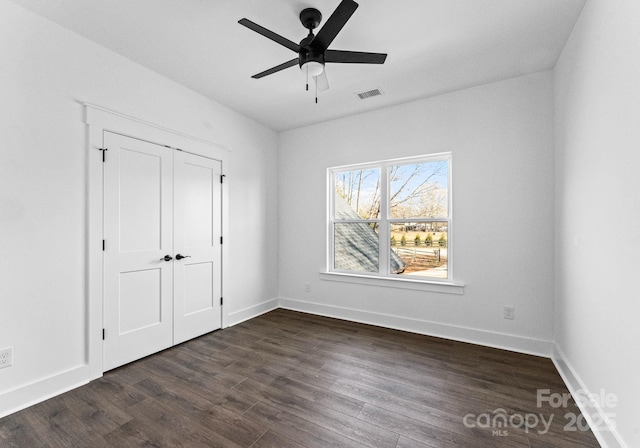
[158, 203]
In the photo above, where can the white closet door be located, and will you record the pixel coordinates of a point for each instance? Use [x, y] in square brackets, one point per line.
[138, 229]
[197, 231]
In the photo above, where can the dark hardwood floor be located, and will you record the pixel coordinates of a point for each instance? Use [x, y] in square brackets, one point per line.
[290, 380]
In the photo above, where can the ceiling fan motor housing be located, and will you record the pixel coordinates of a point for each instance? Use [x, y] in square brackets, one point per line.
[309, 55]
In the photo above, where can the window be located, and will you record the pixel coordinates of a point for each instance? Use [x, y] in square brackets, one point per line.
[392, 218]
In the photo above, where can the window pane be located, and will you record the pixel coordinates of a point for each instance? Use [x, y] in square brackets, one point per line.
[419, 190]
[357, 194]
[356, 247]
[419, 249]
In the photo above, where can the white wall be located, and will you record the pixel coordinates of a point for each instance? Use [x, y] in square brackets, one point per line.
[597, 90]
[501, 137]
[45, 72]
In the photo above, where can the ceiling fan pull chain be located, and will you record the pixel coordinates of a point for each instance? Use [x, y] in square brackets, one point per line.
[307, 71]
[316, 91]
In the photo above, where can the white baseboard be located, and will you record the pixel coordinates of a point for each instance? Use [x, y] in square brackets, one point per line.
[602, 428]
[41, 390]
[520, 344]
[250, 312]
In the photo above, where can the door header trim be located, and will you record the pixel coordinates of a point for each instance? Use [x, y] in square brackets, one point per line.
[95, 113]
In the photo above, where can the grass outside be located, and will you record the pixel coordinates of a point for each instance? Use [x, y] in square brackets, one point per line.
[422, 257]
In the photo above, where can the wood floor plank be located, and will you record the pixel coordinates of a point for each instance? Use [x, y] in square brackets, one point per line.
[328, 418]
[428, 413]
[435, 435]
[405, 442]
[16, 431]
[405, 426]
[271, 439]
[213, 421]
[304, 432]
[95, 410]
[453, 388]
[53, 422]
[191, 368]
[133, 434]
[292, 380]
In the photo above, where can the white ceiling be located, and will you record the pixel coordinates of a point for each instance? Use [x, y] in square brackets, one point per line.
[434, 46]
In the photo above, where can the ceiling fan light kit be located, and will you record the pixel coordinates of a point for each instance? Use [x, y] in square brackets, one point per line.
[313, 68]
[313, 52]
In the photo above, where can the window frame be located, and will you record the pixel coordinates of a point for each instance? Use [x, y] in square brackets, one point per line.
[384, 221]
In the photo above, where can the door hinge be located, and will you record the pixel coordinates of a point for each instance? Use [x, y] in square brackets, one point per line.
[103, 244]
[221, 301]
[104, 151]
[103, 334]
[222, 176]
[220, 240]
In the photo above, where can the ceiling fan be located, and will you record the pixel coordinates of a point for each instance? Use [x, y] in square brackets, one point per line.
[313, 52]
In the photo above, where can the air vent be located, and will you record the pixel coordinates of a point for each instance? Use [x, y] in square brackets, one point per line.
[369, 94]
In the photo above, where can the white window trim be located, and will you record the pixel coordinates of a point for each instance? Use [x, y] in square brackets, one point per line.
[388, 280]
[414, 283]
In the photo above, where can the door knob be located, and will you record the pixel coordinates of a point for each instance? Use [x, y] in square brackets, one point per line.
[180, 257]
[166, 258]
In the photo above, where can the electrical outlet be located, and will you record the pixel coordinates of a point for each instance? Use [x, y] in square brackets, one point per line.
[6, 357]
[307, 287]
[509, 312]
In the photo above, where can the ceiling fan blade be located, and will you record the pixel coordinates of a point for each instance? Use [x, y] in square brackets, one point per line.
[277, 68]
[270, 35]
[322, 83]
[354, 57]
[333, 25]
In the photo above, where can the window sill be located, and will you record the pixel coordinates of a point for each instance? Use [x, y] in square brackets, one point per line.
[445, 287]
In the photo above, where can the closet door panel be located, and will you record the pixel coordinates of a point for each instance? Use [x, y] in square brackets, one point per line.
[197, 232]
[138, 230]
